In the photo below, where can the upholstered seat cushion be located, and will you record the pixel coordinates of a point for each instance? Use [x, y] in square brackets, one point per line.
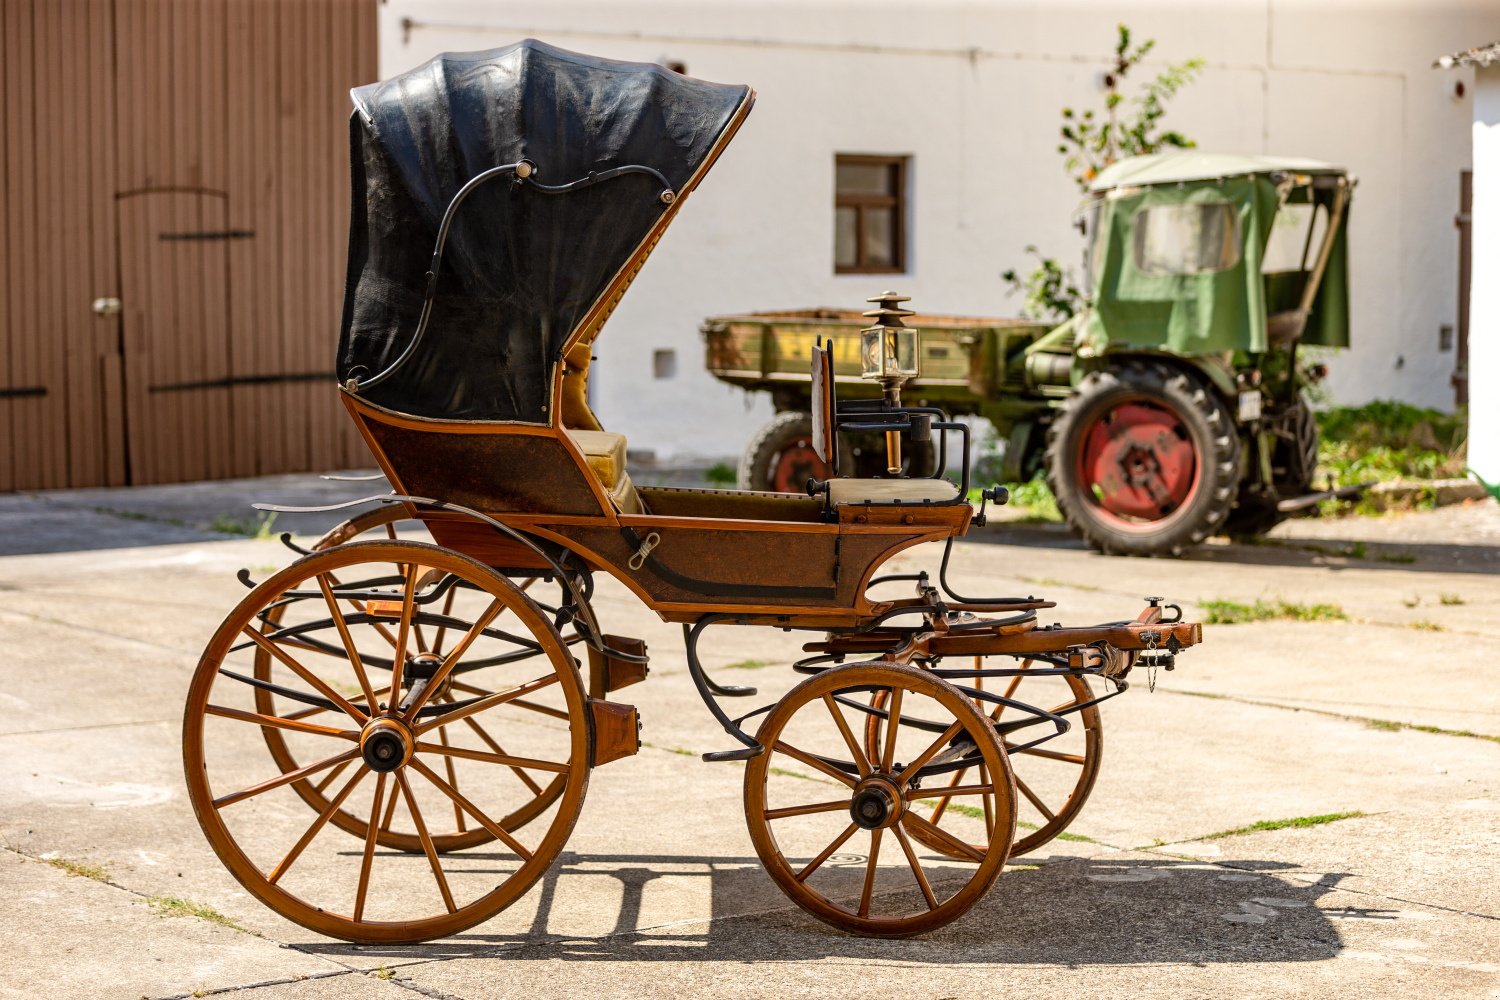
[605, 453]
[890, 490]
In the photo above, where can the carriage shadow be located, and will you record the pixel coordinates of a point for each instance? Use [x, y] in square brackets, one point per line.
[1069, 912]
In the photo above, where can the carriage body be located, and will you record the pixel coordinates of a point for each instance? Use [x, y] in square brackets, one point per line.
[504, 201]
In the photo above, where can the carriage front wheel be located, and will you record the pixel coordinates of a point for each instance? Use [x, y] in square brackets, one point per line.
[368, 734]
[817, 798]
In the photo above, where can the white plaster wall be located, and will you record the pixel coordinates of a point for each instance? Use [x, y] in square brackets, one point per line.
[1484, 315]
[971, 91]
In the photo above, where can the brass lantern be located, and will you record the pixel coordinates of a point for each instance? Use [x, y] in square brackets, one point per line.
[888, 350]
[888, 355]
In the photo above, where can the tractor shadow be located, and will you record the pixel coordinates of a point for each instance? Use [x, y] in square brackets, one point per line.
[1320, 553]
[1068, 912]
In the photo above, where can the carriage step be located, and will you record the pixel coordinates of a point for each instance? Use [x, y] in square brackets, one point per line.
[608, 672]
[617, 730]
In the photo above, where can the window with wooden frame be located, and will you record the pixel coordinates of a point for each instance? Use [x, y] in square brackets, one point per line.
[869, 214]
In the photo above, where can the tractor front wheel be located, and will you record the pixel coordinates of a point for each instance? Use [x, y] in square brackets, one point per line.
[1143, 460]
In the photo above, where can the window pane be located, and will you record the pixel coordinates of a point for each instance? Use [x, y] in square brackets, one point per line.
[864, 178]
[843, 237]
[880, 237]
[1289, 232]
[1187, 239]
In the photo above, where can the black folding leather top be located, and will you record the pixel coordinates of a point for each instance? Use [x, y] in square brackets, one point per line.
[521, 268]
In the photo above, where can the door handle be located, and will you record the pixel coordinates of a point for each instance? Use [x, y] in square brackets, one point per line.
[107, 306]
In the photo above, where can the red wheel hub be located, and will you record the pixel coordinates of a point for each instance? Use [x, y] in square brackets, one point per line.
[1138, 461]
[795, 465]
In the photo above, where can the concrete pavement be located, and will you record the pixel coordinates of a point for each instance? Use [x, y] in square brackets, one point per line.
[1392, 714]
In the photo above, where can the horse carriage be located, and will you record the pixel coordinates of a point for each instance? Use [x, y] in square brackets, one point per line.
[442, 703]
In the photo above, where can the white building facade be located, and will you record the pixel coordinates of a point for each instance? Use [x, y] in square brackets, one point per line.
[969, 94]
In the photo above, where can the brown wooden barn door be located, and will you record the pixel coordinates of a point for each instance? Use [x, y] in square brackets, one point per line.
[174, 268]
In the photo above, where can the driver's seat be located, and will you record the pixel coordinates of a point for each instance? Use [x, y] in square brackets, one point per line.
[825, 442]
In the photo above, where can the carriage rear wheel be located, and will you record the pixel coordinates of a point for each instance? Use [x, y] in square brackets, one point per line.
[370, 739]
[1054, 779]
[452, 830]
[816, 797]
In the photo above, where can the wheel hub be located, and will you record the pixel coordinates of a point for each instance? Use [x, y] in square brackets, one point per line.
[1141, 461]
[876, 804]
[385, 744]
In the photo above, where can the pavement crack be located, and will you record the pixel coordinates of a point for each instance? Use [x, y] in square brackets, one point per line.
[1368, 721]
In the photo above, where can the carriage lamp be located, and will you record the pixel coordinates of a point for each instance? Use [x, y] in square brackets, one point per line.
[888, 355]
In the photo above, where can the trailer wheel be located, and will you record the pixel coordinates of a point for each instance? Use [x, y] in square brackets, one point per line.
[1143, 460]
[780, 458]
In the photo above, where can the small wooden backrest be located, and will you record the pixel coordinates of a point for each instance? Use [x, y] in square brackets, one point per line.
[825, 439]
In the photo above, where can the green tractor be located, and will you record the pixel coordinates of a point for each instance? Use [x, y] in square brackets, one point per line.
[1171, 408]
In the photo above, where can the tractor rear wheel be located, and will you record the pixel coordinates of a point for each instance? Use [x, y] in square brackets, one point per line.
[1143, 460]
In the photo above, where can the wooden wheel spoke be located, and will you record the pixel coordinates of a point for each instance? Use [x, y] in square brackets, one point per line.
[487, 702]
[451, 660]
[817, 862]
[318, 824]
[916, 867]
[942, 805]
[437, 642]
[911, 770]
[805, 810]
[330, 777]
[279, 722]
[948, 792]
[858, 754]
[306, 674]
[507, 759]
[1035, 800]
[870, 865]
[390, 810]
[371, 833]
[448, 765]
[494, 745]
[427, 848]
[1070, 758]
[305, 713]
[893, 726]
[816, 763]
[530, 706]
[284, 779]
[346, 639]
[951, 844]
[503, 835]
[988, 802]
[403, 632]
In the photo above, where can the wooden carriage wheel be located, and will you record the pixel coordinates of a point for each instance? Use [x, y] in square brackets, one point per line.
[377, 753]
[798, 825]
[1053, 781]
[446, 836]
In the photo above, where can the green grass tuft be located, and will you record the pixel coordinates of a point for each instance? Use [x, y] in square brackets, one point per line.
[1080, 838]
[260, 528]
[750, 665]
[1223, 612]
[1423, 625]
[381, 972]
[1403, 558]
[79, 868]
[1296, 822]
[1451, 600]
[175, 906]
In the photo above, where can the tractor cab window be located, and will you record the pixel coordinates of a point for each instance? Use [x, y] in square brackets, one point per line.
[1296, 238]
[1187, 239]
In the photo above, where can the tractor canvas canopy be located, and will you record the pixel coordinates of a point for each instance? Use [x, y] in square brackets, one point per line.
[1187, 255]
[527, 274]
